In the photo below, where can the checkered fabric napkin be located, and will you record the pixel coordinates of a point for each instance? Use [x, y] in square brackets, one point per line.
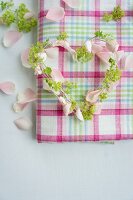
[116, 119]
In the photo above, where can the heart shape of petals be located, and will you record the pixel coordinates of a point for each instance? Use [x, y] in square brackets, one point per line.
[7, 87]
[11, 37]
[23, 123]
[56, 14]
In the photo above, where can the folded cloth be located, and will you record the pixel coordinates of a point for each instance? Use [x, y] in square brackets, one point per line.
[116, 119]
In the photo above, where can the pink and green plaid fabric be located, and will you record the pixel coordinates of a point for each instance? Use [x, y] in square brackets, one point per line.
[116, 119]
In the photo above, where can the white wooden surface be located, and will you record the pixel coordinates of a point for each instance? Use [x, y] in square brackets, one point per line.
[31, 171]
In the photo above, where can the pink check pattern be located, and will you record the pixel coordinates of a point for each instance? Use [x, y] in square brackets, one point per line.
[116, 119]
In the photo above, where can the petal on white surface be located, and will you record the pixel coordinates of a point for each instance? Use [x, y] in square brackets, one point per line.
[24, 58]
[11, 37]
[57, 75]
[23, 123]
[7, 87]
[66, 108]
[18, 107]
[73, 3]
[28, 15]
[88, 45]
[27, 96]
[56, 14]
[93, 96]
[79, 115]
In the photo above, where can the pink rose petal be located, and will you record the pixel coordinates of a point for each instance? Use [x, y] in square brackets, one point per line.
[112, 45]
[96, 48]
[24, 58]
[88, 45]
[66, 108]
[73, 3]
[11, 37]
[51, 52]
[56, 14]
[7, 87]
[24, 99]
[93, 96]
[65, 45]
[23, 123]
[79, 115]
[113, 86]
[57, 75]
[119, 55]
[104, 57]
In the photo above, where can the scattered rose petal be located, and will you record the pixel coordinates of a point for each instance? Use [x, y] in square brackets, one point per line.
[24, 58]
[88, 45]
[57, 75]
[79, 115]
[7, 87]
[93, 96]
[23, 123]
[28, 15]
[18, 107]
[73, 3]
[112, 45]
[56, 14]
[98, 108]
[119, 55]
[24, 99]
[51, 52]
[96, 48]
[11, 37]
[104, 57]
[46, 86]
[65, 44]
[67, 108]
[62, 100]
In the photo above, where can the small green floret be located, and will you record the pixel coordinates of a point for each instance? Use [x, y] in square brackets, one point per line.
[118, 13]
[68, 86]
[6, 5]
[34, 58]
[73, 105]
[82, 54]
[103, 96]
[107, 17]
[56, 86]
[104, 36]
[24, 25]
[115, 15]
[8, 17]
[87, 110]
[47, 71]
[62, 36]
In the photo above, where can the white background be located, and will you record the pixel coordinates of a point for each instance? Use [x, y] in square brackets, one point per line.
[31, 171]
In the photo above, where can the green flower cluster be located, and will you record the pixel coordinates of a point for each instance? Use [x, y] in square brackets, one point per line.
[82, 54]
[34, 58]
[6, 5]
[87, 110]
[115, 15]
[112, 75]
[17, 16]
[104, 36]
[68, 86]
[62, 36]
